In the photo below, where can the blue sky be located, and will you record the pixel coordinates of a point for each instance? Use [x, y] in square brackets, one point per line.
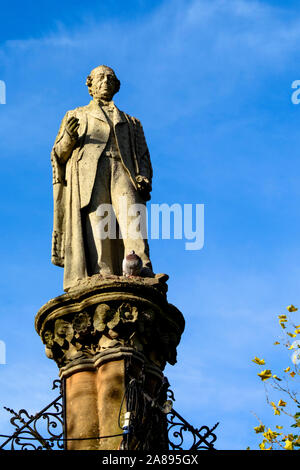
[210, 81]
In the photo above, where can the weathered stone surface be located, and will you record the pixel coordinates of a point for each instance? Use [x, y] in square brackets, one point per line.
[111, 336]
[97, 400]
[81, 411]
[111, 387]
[103, 333]
[100, 157]
[108, 314]
[93, 407]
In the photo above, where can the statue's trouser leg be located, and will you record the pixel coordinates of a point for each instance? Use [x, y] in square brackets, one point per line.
[130, 210]
[98, 246]
[114, 188]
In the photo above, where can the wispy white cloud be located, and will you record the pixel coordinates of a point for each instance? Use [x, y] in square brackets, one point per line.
[195, 54]
[187, 63]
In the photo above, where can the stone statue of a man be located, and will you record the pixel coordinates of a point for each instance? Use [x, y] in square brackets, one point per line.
[99, 156]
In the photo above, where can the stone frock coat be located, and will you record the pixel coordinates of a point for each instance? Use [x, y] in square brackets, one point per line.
[74, 167]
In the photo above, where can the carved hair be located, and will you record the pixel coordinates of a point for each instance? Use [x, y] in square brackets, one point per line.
[89, 80]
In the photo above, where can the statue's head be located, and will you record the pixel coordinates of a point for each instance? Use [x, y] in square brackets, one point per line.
[102, 83]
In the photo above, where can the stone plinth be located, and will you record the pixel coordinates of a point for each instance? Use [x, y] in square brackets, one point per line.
[111, 339]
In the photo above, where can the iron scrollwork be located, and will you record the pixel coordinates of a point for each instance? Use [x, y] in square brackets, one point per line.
[30, 429]
[181, 434]
[180, 429]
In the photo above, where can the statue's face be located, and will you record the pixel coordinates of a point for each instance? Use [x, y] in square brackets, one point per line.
[104, 84]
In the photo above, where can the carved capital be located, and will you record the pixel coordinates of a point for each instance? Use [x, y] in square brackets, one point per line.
[111, 315]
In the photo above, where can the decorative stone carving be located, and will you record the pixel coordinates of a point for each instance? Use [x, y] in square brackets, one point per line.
[81, 324]
[110, 314]
[102, 317]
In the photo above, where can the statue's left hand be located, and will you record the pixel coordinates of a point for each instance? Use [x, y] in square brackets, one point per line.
[144, 187]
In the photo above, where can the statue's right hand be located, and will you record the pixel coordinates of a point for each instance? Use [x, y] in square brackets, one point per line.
[72, 126]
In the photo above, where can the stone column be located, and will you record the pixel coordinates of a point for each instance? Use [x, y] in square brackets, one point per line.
[111, 339]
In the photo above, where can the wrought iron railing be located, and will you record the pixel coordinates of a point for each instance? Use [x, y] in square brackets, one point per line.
[182, 434]
[202, 438]
[42, 431]
[45, 430]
